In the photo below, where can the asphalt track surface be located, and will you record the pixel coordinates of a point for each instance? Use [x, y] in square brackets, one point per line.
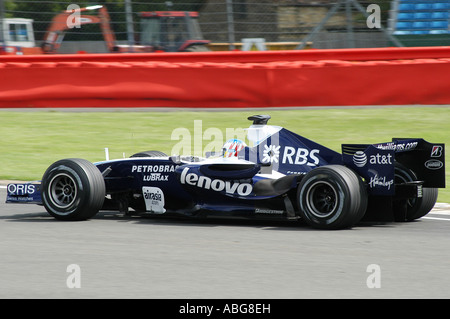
[135, 257]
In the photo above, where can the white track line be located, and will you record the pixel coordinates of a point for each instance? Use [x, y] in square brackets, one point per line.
[436, 218]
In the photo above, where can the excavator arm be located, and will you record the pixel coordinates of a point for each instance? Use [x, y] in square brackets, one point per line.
[55, 33]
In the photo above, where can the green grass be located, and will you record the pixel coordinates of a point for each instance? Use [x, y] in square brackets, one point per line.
[31, 141]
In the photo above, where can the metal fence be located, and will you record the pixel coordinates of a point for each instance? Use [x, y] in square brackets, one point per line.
[284, 23]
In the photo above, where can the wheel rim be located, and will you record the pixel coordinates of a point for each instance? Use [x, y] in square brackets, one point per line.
[321, 199]
[62, 190]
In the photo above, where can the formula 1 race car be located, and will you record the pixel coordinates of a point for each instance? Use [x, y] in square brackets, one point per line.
[281, 176]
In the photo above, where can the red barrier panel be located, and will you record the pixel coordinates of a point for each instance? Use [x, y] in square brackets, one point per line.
[208, 84]
[412, 82]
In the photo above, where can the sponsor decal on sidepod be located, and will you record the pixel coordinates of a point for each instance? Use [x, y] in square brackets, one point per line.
[218, 185]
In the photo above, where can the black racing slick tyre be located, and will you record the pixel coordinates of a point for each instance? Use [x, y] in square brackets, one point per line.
[332, 197]
[412, 208]
[73, 189]
[149, 154]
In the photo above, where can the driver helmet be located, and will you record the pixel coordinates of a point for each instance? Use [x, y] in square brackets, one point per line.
[232, 147]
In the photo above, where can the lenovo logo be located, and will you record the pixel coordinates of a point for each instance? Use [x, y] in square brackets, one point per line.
[218, 185]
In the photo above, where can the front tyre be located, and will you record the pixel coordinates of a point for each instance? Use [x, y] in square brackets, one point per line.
[73, 189]
[332, 197]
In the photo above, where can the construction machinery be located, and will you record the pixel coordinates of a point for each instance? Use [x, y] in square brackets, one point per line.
[18, 37]
[61, 23]
[167, 31]
[172, 31]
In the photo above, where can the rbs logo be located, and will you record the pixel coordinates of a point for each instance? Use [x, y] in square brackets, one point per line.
[300, 156]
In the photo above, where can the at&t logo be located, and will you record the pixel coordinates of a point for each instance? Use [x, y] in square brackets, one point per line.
[360, 159]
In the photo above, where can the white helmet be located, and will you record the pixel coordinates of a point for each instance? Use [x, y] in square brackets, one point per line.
[232, 147]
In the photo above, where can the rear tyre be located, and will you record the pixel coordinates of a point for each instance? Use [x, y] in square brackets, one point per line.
[332, 197]
[197, 48]
[149, 154]
[73, 189]
[412, 208]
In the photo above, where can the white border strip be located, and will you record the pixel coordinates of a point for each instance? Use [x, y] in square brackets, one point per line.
[436, 218]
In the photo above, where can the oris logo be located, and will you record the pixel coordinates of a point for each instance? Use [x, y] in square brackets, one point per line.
[21, 189]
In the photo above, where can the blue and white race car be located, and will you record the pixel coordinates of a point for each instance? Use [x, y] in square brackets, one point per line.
[281, 176]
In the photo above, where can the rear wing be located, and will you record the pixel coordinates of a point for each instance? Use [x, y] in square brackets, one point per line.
[375, 163]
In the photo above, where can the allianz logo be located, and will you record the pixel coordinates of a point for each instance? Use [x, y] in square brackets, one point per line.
[218, 185]
[360, 159]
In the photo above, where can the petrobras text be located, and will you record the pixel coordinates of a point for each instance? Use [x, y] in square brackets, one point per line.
[152, 168]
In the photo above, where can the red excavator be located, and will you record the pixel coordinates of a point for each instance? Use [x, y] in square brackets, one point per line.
[56, 31]
[169, 31]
